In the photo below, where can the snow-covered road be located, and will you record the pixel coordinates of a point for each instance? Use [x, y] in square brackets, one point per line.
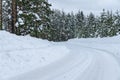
[82, 63]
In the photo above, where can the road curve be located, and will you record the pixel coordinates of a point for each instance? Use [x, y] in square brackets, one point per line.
[77, 65]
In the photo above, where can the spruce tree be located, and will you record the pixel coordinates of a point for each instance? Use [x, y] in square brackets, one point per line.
[62, 26]
[110, 24]
[91, 25]
[117, 22]
[54, 27]
[103, 27]
[80, 24]
[6, 17]
[70, 25]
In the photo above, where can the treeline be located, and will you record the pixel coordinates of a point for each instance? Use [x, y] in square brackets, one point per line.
[34, 17]
[68, 25]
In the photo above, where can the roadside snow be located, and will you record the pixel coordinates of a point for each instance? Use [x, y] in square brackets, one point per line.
[19, 54]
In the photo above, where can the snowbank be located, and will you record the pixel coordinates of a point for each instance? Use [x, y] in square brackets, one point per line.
[19, 54]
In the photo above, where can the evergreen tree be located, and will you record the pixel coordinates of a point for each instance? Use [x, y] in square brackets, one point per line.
[103, 30]
[54, 27]
[6, 10]
[70, 25]
[0, 14]
[97, 27]
[33, 17]
[80, 24]
[58, 26]
[117, 22]
[91, 25]
[14, 16]
[110, 23]
[62, 26]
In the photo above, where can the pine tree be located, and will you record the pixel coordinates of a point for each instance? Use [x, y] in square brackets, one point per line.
[34, 17]
[117, 22]
[91, 25]
[103, 32]
[55, 28]
[70, 25]
[80, 24]
[62, 26]
[14, 16]
[58, 26]
[6, 10]
[97, 26]
[110, 24]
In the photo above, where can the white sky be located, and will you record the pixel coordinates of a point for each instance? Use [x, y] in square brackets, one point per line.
[95, 6]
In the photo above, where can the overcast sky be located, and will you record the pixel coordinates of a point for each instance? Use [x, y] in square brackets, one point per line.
[95, 6]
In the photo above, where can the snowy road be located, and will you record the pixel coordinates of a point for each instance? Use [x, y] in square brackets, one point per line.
[80, 64]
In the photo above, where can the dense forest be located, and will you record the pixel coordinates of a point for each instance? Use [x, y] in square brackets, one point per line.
[36, 18]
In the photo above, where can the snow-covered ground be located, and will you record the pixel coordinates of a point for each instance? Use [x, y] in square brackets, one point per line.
[27, 58]
[20, 54]
[110, 45]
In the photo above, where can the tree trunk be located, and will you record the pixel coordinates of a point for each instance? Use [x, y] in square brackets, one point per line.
[0, 14]
[14, 16]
